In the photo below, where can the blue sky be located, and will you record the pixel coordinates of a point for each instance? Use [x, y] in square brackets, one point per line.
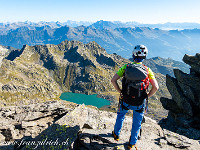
[143, 11]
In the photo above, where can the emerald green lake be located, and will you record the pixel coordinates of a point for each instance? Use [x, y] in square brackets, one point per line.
[86, 99]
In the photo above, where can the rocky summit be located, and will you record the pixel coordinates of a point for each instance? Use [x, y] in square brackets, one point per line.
[63, 125]
[184, 115]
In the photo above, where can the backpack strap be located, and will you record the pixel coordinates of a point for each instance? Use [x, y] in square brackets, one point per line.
[146, 80]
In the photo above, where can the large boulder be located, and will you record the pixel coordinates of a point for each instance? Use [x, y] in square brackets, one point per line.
[170, 105]
[189, 84]
[175, 90]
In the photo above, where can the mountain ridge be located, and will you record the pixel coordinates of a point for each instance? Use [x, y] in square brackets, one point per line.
[161, 43]
[55, 24]
[68, 66]
[165, 66]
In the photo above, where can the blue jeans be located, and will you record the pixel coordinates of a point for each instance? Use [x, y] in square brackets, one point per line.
[136, 124]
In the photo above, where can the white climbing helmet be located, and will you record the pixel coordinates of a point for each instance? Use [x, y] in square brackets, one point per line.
[141, 51]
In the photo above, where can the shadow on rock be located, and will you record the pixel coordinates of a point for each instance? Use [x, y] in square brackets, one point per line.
[98, 142]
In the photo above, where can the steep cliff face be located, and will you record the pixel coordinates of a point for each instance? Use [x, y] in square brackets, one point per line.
[185, 103]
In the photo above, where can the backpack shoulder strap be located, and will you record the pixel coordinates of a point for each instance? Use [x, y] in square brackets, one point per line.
[146, 80]
[146, 70]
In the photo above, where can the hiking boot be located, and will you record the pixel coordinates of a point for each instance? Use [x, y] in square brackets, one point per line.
[131, 146]
[116, 137]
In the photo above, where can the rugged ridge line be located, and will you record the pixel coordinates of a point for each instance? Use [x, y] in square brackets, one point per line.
[121, 40]
[43, 72]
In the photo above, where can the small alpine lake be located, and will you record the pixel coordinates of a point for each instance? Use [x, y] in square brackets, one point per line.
[86, 99]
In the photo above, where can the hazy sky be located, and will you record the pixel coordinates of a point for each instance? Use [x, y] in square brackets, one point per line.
[143, 11]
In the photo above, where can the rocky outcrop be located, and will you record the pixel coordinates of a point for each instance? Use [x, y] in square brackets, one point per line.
[63, 125]
[185, 103]
[28, 121]
[194, 62]
[24, 118]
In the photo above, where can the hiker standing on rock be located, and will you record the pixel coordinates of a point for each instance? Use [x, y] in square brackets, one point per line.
[133, 95]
